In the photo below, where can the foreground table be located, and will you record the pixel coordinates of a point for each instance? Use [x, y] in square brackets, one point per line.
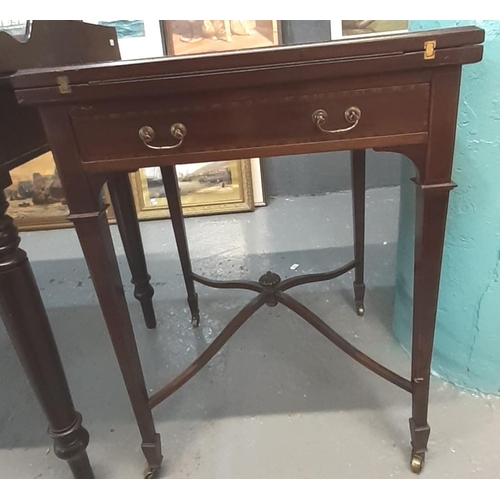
[394, 93]
[22, 138]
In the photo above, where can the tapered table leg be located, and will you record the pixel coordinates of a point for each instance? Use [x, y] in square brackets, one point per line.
[84, 197]
[431, 209]
[433, 185]
[169, 176]
[358, 168]
[97, 245]
[23, 313]
[128, 225]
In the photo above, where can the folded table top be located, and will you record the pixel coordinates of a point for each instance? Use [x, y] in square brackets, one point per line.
[251, 67]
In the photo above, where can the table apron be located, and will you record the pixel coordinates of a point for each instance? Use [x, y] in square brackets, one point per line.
[133, 164]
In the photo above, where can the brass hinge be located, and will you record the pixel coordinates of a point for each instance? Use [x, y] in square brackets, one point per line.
[63, 82]
[430, 49]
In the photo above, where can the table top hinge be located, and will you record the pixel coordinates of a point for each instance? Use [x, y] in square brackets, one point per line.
[430, 49]
[63, 82]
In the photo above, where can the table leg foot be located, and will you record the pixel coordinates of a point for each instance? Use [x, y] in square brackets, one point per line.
[151, 473]
[193, 306]
[95, 238]
[359, 297]
[431, 209]
[144, 294]
[152, 452]
[419, 439]
[417, 462]
[71, 445]
[80, 466]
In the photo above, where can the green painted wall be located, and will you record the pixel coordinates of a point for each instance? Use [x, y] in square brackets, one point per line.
[467, 342]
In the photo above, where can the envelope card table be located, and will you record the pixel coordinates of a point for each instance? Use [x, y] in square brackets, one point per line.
[395, 93]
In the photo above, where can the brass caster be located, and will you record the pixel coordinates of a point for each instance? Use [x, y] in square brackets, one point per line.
[360, 310]
[195, 320]
[151, 473]
[417, 463]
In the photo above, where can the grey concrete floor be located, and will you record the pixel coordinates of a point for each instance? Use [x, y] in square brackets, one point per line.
[279, 401]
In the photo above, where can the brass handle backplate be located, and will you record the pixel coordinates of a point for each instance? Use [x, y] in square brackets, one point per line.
[177, 130]
[351, 115]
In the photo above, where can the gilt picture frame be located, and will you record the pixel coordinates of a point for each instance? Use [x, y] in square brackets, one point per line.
[205, 188]
[366, 28]
[217, 187]
[197, 37]
[36, 198]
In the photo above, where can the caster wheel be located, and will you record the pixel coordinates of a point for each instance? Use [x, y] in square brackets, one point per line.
[151, 473]
[360, 310]
[417, 463]
[195, 320]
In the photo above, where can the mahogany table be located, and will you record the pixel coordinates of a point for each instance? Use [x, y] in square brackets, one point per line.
[22, 138]
[394, 93]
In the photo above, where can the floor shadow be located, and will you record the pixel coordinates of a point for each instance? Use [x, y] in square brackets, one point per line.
[275, 364]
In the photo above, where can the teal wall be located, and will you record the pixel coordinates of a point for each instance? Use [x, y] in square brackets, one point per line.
[467, 342]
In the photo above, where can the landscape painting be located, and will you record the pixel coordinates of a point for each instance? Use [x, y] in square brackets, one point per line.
[36, 198]
[195, 37]
[205, 188]
[353, 28]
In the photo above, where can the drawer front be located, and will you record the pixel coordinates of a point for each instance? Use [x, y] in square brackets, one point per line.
[111, 131]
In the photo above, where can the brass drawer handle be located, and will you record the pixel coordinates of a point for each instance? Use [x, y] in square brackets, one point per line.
[177, 130]
[351, 115]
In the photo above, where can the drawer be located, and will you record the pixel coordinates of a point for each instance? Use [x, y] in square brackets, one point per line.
[111, 131]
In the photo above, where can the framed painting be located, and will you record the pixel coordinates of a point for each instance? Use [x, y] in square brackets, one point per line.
[36, 199]
[196, 37]
[205, 188]
[342, 29]
[217, 187]
[137, 39]
[35, 195]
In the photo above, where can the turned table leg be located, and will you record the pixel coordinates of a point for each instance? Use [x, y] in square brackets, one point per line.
[358, 167]
[26, 321]
[170, 182]
[128, 225]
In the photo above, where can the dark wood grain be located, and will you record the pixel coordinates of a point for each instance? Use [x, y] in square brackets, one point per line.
[84, 196]
[358, 179]
[126, 216]
[169, 176]
[432, 193]
[282, 59]
[259, 103]
[22, 138]
[56, 43]
[47, 43]
[217, 124]
[26, 322]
